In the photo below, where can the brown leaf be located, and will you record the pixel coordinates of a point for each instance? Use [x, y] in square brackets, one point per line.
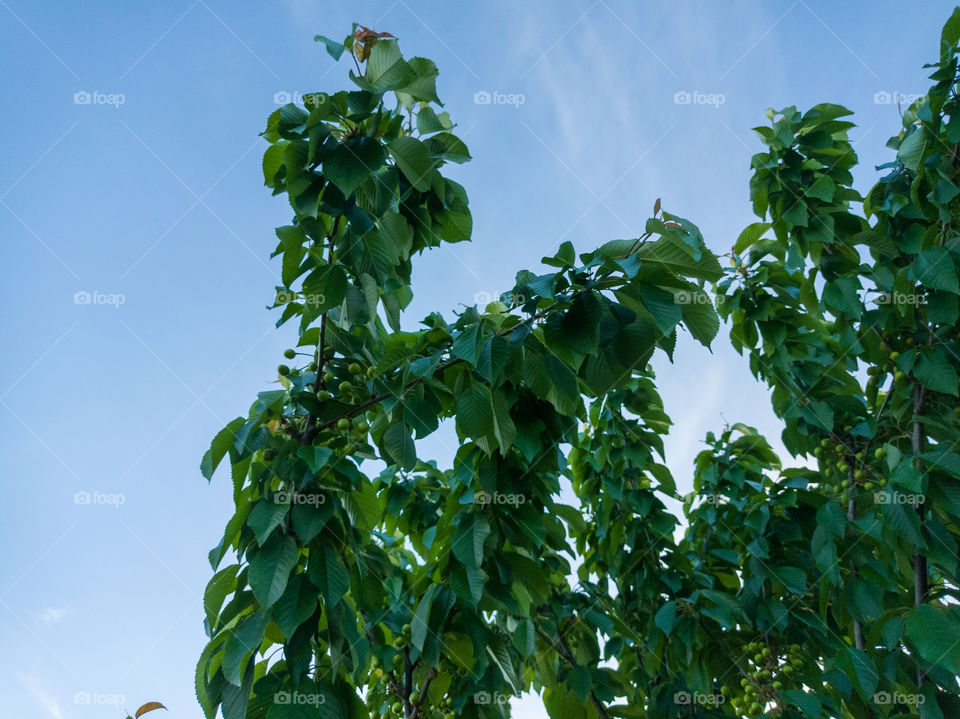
[364, 39]
[671, 223]
[148, 707]
[656, 207]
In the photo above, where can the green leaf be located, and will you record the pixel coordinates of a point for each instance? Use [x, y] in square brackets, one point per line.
[324, 289]
[468, 345]
[468, 539]
[934, 371]
[700, 317]
[236, 698]
[296, 605]
[475, 417]
[315, 457]
[219, 447]
[413, 159]
[386, 68]
[427, 121]
[270, 568]
[399, 446]
[934, 268]
[266, 516]
[223, 583]
[352, 162]
[421, 617]
[241, 644]
[327, 571]
[663, 308]
[934, 634]
[423, 86]
[665, 618]
[503, 427]
[809, 704]
[864, 676]
[911, 149]
[333, 47]
[751, 233]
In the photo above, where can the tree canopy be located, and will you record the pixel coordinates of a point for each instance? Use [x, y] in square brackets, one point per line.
[826, 588]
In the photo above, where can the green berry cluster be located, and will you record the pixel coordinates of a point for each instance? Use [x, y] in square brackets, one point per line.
[385, 695]
[850, 468]
[765, 675]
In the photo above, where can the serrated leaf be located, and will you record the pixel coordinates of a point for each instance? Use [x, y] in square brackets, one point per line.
[270, 568]
[399, 446]
[413, 159]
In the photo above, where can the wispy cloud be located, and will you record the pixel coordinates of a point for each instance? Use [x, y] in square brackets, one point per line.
[43, 697]
[50, 616]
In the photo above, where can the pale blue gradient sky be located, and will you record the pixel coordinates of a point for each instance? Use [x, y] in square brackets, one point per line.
[160, 199]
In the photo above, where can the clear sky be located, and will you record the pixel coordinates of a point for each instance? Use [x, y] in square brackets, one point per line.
[149, 198]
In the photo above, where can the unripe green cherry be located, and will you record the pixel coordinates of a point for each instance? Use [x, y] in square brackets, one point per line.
[289, 354]
[283, 370]
[343, 423]
[354, 368]
[346, 386]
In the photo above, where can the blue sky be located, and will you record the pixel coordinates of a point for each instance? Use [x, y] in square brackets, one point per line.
[150, 199]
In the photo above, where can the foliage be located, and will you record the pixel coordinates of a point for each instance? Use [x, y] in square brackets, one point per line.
[827, 590]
